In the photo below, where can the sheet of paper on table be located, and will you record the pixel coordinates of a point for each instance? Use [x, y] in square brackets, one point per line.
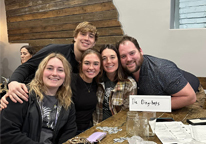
[178, 133]
[199, 133]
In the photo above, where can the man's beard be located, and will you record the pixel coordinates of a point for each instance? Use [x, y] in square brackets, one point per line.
[137, 66]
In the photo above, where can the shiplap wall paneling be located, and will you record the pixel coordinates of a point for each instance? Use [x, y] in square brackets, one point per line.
[42, 22]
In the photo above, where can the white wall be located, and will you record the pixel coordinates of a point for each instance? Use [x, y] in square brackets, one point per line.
[9, 53]
[146, 20]
[149, 22]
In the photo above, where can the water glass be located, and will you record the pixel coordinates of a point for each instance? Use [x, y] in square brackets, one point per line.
[130, 123]
[151, 123]
[140, 126]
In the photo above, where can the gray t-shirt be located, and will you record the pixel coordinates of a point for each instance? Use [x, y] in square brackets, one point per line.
[109, 86]
[159, 77]
[49, 114]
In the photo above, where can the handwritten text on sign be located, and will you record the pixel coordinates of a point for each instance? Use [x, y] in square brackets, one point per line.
[150, 103]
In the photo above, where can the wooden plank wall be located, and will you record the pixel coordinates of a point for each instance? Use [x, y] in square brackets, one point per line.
[42, 22]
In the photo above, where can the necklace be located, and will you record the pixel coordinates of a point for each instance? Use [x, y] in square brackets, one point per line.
[88, 87]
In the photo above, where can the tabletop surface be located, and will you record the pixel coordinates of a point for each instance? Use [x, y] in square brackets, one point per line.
[119, 120]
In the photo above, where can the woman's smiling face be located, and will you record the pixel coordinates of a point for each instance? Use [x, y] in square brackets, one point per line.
[53, 75]
[90, 67]
[110, 60]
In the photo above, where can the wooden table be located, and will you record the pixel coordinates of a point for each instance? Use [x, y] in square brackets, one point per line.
[119, 120]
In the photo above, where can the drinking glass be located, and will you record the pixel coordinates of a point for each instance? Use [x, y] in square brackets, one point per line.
[130, 122]
[151, 123]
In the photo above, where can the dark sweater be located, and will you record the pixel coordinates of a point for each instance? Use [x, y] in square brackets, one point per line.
[21, 123]
[28, 68]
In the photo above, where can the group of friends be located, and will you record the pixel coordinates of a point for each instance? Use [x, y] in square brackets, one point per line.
[76, 86]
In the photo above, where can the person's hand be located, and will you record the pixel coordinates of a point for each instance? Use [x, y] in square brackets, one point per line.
[16, 91]
[4, 102]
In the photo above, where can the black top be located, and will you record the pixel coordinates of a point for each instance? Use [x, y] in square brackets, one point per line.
[22, 123]
[28, 68]
[85, 101]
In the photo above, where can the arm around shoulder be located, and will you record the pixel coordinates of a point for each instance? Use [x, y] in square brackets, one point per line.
[17, 90]
[30, 67]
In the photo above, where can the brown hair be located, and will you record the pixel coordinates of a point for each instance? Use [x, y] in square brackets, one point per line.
[86, 27]
[29, 48]
[128, 38]
[120, 74]
[92, 51]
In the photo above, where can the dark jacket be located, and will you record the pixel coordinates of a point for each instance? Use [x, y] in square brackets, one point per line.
[28, 68]
[21, 123]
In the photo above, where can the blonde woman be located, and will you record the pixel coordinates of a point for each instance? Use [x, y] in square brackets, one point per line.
[49, 114]
[85, 37]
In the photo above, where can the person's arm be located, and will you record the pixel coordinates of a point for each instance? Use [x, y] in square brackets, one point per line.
[4, 102]
[12, 119]
[183, 98]
[173, 83]
[17, 90]
[30, 67]
[16, 87]
[70, 128]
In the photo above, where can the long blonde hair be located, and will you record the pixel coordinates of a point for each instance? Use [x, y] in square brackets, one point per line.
[64, 92]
